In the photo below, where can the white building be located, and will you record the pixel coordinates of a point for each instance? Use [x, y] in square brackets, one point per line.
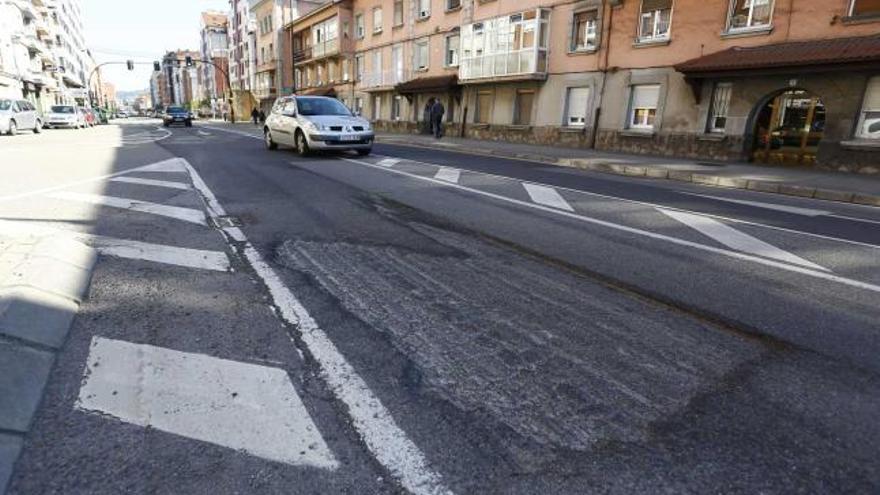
[242, 28]
[214, 48]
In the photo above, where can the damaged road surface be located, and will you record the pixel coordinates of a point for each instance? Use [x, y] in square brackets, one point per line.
[422, 324]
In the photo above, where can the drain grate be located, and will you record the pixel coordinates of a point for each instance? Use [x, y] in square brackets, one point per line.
[226, 221]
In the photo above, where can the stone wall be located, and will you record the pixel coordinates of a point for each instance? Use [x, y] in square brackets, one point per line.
[543, 135]
[682, 145]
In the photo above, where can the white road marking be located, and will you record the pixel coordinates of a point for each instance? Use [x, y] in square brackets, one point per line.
[770, 206]
[169, 165]
[448, 174]
[236, 405]
[735, 239]
[374, 423]
[233, 131]
[203, 133]
[644, 233]
[152, 182]
[388, 162]
[124, 248]
[546, 196]
[186, 214]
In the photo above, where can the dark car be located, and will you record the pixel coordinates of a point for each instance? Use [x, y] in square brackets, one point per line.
[177, 115]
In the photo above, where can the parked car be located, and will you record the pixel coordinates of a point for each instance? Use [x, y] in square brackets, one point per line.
[65, 116]
[177, 115]
[871, 126]
[316, 123]
[16, 115]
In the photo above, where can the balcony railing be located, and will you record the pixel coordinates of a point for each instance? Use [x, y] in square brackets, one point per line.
[385, 78]
[524, 62]
[318, 50]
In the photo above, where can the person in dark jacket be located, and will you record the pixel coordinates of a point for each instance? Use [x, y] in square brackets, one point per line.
[255, 116]
[437, 112]
[427, 125]
[262, 117]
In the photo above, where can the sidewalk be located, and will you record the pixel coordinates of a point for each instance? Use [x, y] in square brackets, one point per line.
[818, 184]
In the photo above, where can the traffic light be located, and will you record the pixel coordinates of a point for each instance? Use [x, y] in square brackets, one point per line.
[157, 67]
[129, 64]
[189, 61]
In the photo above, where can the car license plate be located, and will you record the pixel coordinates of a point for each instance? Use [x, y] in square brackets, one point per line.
[348, 137]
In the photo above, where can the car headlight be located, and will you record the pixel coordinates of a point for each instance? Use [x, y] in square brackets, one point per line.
[313, 126]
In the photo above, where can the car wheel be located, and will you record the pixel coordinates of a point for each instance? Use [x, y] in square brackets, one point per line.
[38, 127]
[13, 129]
[270, 143]
[302, 145]
[364, 152]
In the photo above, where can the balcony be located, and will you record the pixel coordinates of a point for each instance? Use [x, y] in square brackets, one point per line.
[512, 47]
[317, 51]
[384, 79]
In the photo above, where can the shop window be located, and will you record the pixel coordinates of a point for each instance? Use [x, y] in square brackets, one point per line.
[749, 14]
[643, 106]
[586, 31]
[576, 107]
[420, 55]
[865, 8]
[869, 122]
[453, 43]
[720, 105]
[377, 20]
[522, 111]
[655, 20]
[398, 13]
[484, 107]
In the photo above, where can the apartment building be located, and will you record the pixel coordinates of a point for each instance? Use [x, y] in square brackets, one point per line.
[763, 80]
[177, 84]
[214, 48]
[241, 30]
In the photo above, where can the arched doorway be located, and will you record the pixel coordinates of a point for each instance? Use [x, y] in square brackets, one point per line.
[788, 127]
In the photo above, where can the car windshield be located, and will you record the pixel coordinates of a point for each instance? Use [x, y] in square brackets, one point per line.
[62, 109]
[5, 104]
[321, 106]
[175, 110]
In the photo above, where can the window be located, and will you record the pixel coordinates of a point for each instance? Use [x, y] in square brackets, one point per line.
[397, 63]
[507, 45]
[345, 73]
[377, 20]
[377, 107]
[359, 29]
[358, 105]
[655, 20]
[585, 35]
[424, 9]
[420, 55]
[749, 14]
[576, 107]
[395, 107]
[484, 107]
[869, 121]
[453, 43]
[398, 12]
[522, 112]
[377, 65]
[452, 4]
[720, 104]
[359, 67]
[865, 7]
[643, 106]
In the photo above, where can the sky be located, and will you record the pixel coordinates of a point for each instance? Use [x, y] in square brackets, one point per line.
[141, 30]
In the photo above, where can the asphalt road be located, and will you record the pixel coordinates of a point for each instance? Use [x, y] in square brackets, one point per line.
[447, 323]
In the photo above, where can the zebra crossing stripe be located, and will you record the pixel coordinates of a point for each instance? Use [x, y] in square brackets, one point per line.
[185, 214]
[151, 182]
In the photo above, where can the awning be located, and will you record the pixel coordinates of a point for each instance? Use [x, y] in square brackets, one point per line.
[325, 91]
[790, 57]
[428, 84]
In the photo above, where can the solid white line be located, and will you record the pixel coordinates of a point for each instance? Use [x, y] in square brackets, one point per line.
[657, 205]
[448, 174]
[546, 196]
[177, 212]
[855, 219]
[640, 232]
[372, 420]
[735, 239]
[809, 212]
[152, 182]
[236, 405]
[233, 131]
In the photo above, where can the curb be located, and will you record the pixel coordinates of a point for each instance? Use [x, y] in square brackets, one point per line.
[42, 283]
[610, 166]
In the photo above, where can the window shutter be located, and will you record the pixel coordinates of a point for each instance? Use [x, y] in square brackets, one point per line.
[652, 5]
[645, 96]
[578, 99]
[872, 95]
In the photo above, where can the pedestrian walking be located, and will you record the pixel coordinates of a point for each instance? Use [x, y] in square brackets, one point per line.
[262, 117]
[437, 112]
[255, 116]
[427, 126]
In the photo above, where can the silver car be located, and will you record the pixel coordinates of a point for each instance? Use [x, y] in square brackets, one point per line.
[310, 123]
[16, 115]
[65, 116]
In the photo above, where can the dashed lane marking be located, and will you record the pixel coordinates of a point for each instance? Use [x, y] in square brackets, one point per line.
[236, 405]
[735, 239]
[546, 196]
[448, 174]
[185, 214]
[640, 232]
[151, 182]
[388, 443]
